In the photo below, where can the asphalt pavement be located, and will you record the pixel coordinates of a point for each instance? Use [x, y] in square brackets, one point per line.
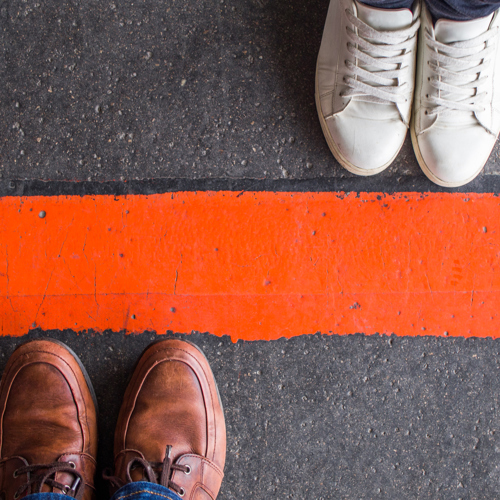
[148, 96]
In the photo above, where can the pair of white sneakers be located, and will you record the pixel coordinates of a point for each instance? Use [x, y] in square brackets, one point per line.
[368, 77]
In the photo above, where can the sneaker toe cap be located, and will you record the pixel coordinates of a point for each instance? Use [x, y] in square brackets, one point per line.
[454, 157]
[369, 145]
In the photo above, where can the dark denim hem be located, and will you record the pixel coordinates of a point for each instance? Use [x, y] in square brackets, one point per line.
[455, 10]
[46, 496]
[143, 491]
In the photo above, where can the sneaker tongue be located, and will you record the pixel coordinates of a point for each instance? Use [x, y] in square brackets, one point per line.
[384, 19]
[458, 31]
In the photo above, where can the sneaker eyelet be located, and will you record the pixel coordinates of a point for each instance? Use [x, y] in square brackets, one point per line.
[182, 492]
[427, 95]
[188, 471]
[72, 465]
[426, 112]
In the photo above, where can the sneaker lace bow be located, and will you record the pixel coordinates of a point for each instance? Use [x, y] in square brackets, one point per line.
[382, 58]
[154, 472]
[458, 74]
[46, 471]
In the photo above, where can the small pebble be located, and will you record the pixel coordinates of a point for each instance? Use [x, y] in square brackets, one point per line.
[42, 214]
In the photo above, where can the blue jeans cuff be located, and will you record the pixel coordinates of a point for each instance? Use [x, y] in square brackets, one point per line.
[46, 496]
[142, 490]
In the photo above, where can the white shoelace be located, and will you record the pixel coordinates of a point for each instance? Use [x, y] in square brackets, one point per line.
[458, 74]
[385, 57]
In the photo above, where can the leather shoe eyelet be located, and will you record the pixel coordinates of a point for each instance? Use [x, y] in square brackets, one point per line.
[182, 492]
[14, 474]
[188, 471]
[16, 495]
[72, 465]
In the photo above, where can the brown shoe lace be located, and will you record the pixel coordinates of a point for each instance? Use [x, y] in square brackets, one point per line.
[156, 472]
[75, 490]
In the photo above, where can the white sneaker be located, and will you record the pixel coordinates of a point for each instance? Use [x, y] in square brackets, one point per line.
[456, 114]
[364, 83]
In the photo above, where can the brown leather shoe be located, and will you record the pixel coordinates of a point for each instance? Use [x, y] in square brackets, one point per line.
[48, 431]
[171, 427]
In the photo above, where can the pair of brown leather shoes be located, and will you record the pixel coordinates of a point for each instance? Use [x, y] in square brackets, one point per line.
[170, 429]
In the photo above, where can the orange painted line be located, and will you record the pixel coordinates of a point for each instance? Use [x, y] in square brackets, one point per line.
[252, 265]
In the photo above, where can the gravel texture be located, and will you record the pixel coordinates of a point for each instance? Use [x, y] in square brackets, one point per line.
[142, 89]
